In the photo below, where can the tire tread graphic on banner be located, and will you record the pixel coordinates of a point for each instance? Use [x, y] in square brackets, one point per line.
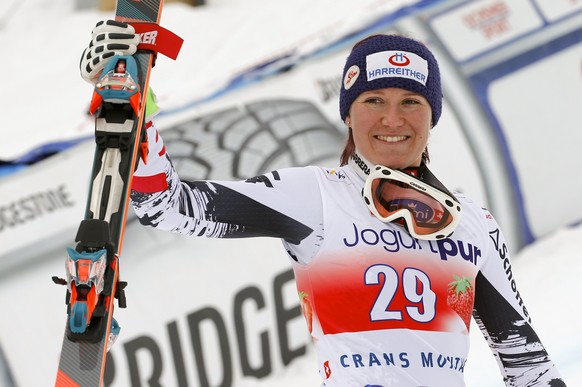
[238, 143]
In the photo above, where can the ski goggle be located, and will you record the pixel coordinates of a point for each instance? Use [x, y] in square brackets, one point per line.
[427, 212]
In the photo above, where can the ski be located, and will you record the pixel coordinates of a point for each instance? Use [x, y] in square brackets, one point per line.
[92, 267]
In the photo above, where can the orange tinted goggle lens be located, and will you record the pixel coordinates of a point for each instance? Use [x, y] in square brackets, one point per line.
[428, 214]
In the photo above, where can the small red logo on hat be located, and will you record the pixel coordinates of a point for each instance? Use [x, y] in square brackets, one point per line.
[399, 60]
[351, 76]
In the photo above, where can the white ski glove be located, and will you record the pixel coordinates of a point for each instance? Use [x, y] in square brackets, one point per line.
[109, 38]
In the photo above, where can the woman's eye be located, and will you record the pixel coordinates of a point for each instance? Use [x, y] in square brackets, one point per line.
[373, 100]
[410, 102]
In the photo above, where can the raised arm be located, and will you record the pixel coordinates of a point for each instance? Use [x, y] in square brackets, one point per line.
[284, 204]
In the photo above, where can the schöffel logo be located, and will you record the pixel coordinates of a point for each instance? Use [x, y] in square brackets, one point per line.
[327, 369]
[396, 64]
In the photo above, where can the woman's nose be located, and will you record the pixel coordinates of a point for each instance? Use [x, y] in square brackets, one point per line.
[392, 116]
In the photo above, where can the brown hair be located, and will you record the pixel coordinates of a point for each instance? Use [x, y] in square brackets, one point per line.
[349, 149]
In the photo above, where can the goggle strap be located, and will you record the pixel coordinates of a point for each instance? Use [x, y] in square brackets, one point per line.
[426, 176]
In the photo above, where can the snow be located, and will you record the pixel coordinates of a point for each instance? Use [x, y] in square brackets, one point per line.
[42, 40]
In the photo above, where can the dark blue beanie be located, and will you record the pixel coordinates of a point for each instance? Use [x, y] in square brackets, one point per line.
[383, 61]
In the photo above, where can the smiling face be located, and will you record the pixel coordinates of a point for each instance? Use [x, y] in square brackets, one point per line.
[390, 126]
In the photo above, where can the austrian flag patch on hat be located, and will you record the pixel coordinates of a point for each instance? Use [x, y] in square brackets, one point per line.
[396, 64]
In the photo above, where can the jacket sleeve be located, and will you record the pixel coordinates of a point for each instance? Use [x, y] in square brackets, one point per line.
[266, 205]
[502, 317]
